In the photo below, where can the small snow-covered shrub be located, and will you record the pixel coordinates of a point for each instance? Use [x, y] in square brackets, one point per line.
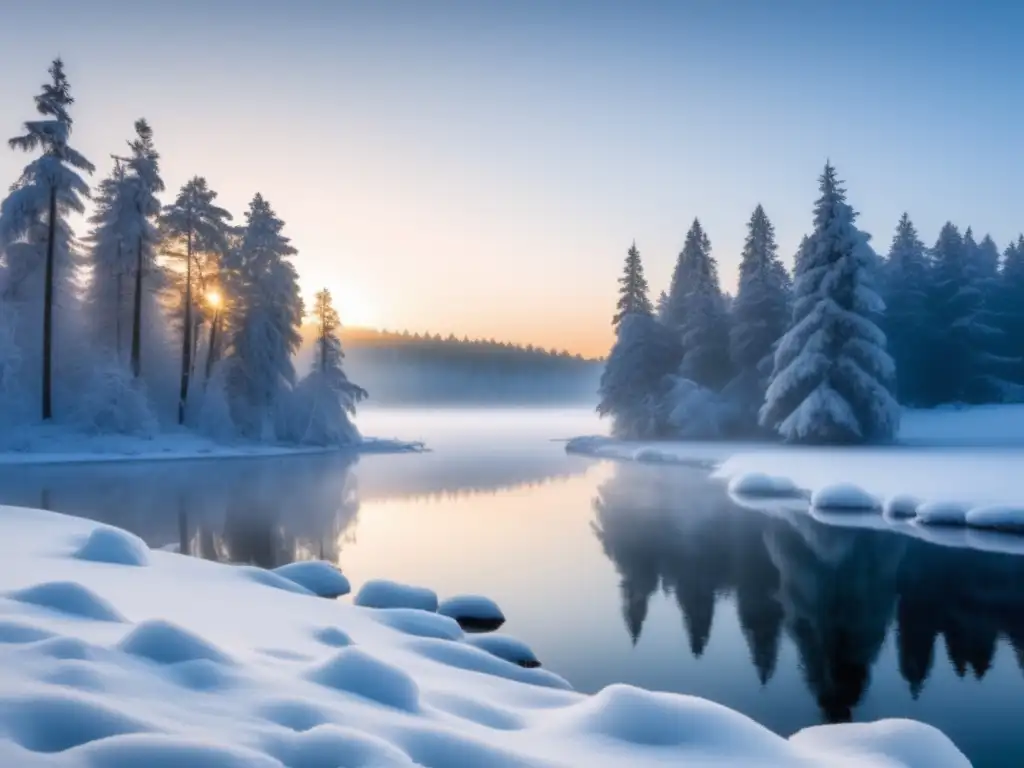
[316, 412]
[694, 412]
[113, 402]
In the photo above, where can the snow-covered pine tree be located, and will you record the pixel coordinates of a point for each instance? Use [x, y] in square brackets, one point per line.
[644, 354]
[323, 401]
[1011, 306]
[760, 313]
[264, 333]
[965, 367]
[144, 184]
[202, 226]
[832, 375]
[908, 329]
[633, 292]
[37, 243]
[699, 309]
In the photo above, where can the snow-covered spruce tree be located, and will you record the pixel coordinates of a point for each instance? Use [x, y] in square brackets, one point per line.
[1011, 315]
[909, 331]
[201, 227]
[321, 403]
[832, 376]
[703, 321]
[633, 292]
[38, 247]
[965, 364]
[645, 353]
[760, 314]
[265, 329]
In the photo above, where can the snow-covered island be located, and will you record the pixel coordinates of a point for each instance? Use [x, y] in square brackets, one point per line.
[108, 660]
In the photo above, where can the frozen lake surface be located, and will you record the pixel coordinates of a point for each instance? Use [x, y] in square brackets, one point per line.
[612, 572]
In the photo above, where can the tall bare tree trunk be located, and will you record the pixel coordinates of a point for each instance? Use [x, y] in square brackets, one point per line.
[137, 316]
[186, 343]
[210, 358]
[48, 309]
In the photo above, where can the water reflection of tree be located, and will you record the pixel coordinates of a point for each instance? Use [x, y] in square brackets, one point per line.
[835, 591]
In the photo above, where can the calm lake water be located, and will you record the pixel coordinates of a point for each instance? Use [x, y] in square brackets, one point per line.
[612, 572]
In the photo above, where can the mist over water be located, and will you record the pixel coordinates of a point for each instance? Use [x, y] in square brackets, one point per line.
[631, 573]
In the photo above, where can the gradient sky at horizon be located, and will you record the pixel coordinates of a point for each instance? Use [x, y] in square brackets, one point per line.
[482, 167]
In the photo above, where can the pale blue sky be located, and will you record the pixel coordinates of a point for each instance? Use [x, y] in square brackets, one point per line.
[481, 167]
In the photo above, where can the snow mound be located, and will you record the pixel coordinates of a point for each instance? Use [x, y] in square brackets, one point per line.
[908, 744]
[205, 675]
[332, 636]
[17, 632]
[330, 746]
[413, 621]
[160, 751]
[445, 749]
[69, 598]
[318, 576]
[507, 648]
[294, 714]
[474, 613]
[113, 545]
[381, 593]
[166, 643]
[467, 656]
[998, 518]
[478, 712]
[760, 484]
[942, 513]
[64, 648]
[901, 505]
[354, 671]
[75, 674]
[270, 579]
[844, 497]
[56, 721]
[643, 718]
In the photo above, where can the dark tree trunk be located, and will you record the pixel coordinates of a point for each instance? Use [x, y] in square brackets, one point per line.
[137, 316]
[48, 309]
[186, 343]
[210, 352]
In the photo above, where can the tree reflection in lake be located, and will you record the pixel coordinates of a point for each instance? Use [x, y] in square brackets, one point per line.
[836, 592]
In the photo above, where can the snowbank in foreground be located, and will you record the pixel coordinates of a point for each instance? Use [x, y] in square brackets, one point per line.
[56, 444]
[179, 661]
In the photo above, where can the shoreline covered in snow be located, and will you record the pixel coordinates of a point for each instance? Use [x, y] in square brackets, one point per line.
[40, 446]
[114, 654]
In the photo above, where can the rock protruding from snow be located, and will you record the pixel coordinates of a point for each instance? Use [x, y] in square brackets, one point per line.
[69, 598]
[413, 621]
[998, 518]
[354, 671]
[844, 497]
[942, 513]
[467, 656]
[760, 484]
[113, 545]
[901, 505]
[507, 648]
[332, 636]
[318, 576]
[166, 643]
[381, 593]
[474, 613]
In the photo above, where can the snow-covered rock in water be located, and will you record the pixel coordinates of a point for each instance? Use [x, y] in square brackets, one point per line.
[318, 576]
[999, 518]
[113, 545]
[650, 455]
[844, 497]
[225, 672]
[901, 505]
[942, 513]
[474, 613]
[507, 648]
[381, 593]
[760, 484]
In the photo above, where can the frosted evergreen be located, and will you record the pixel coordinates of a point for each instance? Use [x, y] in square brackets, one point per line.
[832, 375]
[909, 332]
[1011, 311]
[266, 318]
[633, 288]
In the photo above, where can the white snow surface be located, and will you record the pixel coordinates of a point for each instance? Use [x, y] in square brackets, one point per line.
[844, 496]
[319, 577]
[187, 662]
[60, 444]
[381, 593]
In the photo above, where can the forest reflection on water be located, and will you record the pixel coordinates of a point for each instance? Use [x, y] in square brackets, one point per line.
[648, 575]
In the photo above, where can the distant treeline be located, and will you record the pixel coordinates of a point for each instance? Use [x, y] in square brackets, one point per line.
[403, 368]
